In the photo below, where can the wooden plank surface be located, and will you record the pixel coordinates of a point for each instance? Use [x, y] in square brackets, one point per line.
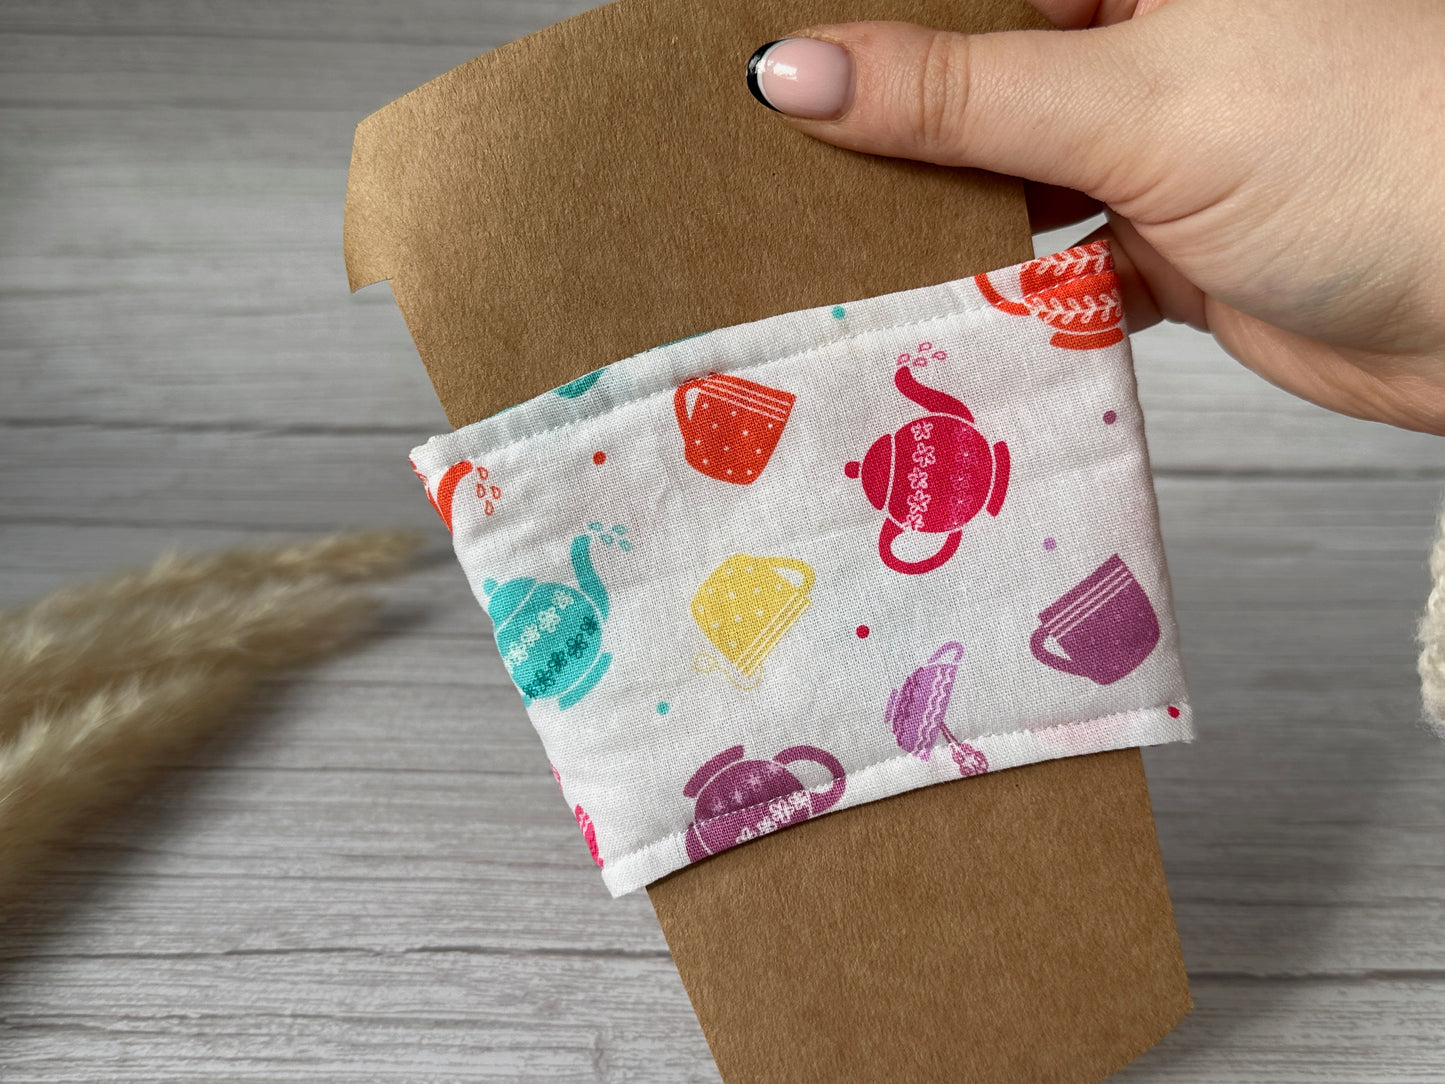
[369, 876]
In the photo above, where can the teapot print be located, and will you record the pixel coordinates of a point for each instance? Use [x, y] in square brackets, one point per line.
[574, 389]
[933, 475]
[446, 488]
[550, 634]
[738, 800]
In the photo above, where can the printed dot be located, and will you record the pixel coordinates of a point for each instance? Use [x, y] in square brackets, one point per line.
[1173, 712]
[1110, 417]
[862, 632]
[1049, 544]
[599, 458]
[663, 707]
[838, 312]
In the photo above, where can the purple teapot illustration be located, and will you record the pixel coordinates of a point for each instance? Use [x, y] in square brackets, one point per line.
[739, 800]
[933, 475]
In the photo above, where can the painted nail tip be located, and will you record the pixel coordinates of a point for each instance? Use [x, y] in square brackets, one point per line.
[755, 63]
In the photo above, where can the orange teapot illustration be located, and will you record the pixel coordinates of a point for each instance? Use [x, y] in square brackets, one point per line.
[933, 475]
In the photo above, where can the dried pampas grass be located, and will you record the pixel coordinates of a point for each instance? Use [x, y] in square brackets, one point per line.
[1432, 636]
[101, 684]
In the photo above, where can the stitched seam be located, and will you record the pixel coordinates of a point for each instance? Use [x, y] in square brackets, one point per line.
[750, 367]
[848, 775]
[982, 309]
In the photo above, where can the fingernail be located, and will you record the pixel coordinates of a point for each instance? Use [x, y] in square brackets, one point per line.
[802, 77]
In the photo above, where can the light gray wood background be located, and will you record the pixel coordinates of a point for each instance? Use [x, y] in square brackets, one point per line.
[371, 876]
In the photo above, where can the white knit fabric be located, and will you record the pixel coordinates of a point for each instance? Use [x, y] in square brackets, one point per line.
[795, 565]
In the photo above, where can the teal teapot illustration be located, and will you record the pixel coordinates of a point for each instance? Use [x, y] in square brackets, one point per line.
[550, 634]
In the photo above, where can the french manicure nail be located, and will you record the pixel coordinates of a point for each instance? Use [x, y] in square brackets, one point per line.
[802, 77]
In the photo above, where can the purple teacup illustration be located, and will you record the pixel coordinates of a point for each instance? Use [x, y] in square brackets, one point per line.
[1104, 626]
[916, 711]
[739, 800]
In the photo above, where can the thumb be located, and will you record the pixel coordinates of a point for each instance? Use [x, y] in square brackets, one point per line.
[1075, 108]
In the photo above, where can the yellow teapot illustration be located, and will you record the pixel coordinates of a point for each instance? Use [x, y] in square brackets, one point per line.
[744, 608]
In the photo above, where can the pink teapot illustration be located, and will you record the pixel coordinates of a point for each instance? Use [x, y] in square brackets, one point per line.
[739, 800]
[933, 475]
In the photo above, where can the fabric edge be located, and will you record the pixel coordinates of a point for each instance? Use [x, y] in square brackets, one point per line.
[626, 873]
[962, 295]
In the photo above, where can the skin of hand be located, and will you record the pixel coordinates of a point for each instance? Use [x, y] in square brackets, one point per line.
[1273, 171]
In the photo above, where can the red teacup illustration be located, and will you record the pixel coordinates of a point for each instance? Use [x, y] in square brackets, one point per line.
[1104, 626]
[916, 711]
[739, 800]
[730, 426]
[933, 475]
[1075, 292]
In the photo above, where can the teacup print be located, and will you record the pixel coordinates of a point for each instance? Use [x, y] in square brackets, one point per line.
[589, 834]
[737, 800]
[730, 426]
[745, 607]
[584, 822]
[747, 580]
[1075, 292]
[917, 710]
[1101, 629]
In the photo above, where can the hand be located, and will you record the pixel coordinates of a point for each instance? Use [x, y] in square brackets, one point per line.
[1273, 171]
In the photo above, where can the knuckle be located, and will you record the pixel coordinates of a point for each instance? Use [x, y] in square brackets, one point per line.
[941, 94]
